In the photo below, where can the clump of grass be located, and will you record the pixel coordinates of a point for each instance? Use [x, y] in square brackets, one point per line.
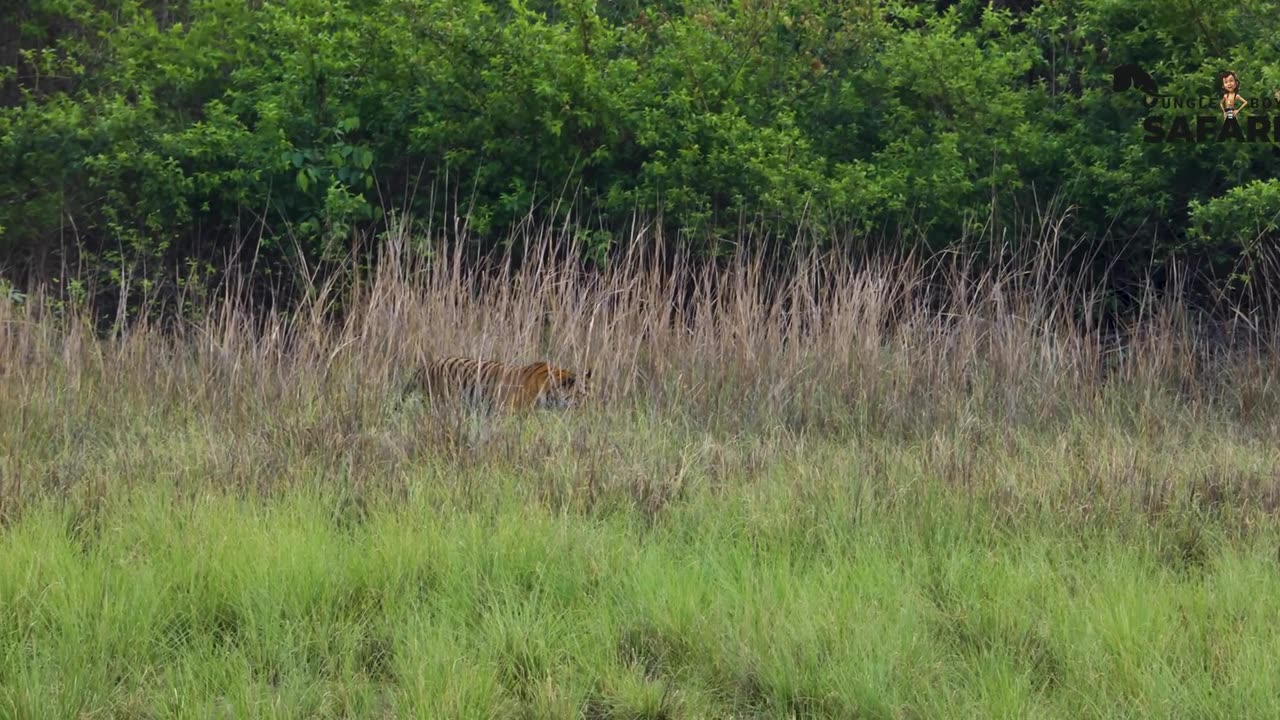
[825, 348]
[890, 489]
[509, 608]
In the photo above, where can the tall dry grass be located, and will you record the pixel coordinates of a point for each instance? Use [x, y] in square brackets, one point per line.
[906, 349]
[900, 488]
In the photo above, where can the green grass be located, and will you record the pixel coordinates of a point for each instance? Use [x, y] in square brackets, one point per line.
[832, 579]
[866, 509]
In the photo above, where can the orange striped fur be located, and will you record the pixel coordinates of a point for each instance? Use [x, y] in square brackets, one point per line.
[539, 384]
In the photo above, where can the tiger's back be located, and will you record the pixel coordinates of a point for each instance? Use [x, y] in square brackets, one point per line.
[486, 382]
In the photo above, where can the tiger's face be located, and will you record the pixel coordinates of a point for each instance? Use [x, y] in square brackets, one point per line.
[561, 389]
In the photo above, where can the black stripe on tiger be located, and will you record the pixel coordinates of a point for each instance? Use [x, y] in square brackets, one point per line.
[495, 384]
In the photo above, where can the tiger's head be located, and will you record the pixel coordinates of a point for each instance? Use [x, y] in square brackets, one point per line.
[558, 388]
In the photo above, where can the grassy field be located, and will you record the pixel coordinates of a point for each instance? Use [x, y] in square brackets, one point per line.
[829, 498]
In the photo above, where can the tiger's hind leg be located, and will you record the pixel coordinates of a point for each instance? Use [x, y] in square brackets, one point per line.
[463, 409]
[469, 419]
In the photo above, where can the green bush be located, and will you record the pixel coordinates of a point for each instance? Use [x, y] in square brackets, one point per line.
[145, 136]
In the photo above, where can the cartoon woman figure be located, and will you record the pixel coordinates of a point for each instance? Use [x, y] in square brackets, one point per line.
[1229, 96]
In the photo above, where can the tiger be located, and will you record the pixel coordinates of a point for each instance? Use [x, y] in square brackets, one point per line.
[495, 384]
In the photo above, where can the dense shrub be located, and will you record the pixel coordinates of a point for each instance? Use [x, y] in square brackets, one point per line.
[148, 136]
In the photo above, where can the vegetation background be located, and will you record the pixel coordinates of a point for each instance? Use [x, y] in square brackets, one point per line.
[858, 502]
[147, 143]
[922, 386]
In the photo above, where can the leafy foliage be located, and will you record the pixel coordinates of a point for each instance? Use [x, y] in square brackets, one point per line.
[146, 135]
